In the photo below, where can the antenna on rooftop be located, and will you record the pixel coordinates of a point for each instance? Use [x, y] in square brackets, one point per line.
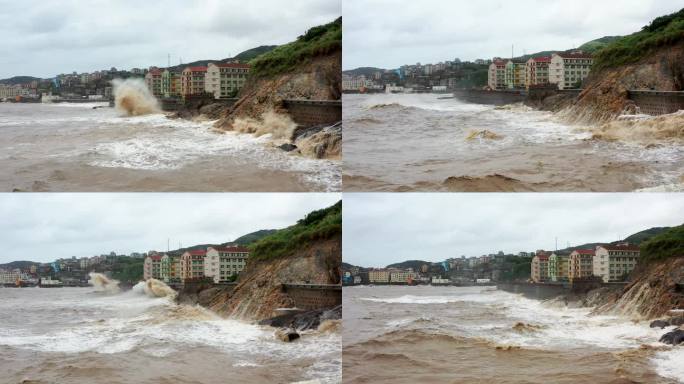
[167, 244]
[512, 55]
[168, 60]
[556, 243]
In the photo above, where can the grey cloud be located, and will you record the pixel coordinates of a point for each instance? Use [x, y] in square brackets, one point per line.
[42, 227]
[380, 229]
[391, 33]
[44, 38]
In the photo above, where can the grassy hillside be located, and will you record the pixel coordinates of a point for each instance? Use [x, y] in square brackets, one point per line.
[254, 236]
[662, 32]
[18, 80]
[598, 44]
[415, 264]
[317, 41]
[317, 225]
[665, 245]
[253, 53]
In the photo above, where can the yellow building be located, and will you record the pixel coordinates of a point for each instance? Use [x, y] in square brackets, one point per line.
[537, 71]
[193, 81]
[540, 267]
[192, 265]
[153, 79]
[581, 264]
[379, 276]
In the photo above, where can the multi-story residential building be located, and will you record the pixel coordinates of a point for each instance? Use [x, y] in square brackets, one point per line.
[401, 276]
[225, 79]
[581, 264]
[515, 74]
[152, 267]
[153, 79]
[540, 267]
[192, 264]
[568, 70]
[537, 71]
[223, 262]
[170, 83]
[83, 261]
[193, 80]
[378, 276]
[12, 91]
[615, 262]
[10, 277]
[558, 266]
[170, 268]
[497, 74]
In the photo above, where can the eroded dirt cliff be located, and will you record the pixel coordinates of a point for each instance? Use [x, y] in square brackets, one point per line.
[605, 94]
[656, 288]
[259, 290]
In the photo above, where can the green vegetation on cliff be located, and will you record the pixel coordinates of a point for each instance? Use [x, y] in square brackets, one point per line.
[317, 225]
[665, 245]
[128, 269]
[317, 41]
[662, 32]
[598, 44]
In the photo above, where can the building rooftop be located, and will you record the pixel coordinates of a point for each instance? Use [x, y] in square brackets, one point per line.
[231, 65]
[197, 69]
[620, 247]
[575, 55]
[231, 249]
[584, 251]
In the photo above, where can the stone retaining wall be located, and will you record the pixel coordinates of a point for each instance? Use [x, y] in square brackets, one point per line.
[308, 113]
[309, 297]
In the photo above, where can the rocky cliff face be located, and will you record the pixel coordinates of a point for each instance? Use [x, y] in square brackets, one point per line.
[319, 79]
[655, 289]
[605, 95]
[259, 291]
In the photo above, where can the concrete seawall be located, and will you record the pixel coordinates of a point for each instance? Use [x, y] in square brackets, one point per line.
[491, 97]
[308, 113]
[657, 103]
[311, 296]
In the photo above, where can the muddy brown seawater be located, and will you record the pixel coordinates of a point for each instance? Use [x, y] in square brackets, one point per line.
[482, 335]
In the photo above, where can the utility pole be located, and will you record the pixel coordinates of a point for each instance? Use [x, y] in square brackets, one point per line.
[512, 54]
[556, 244]
[168, 61]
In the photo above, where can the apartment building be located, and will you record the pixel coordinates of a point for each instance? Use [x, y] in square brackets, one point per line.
[193, 81]
[192, 264]
[581, 264]
[401, 276]
[379, 276]
[12, 91]
[170, 268]
[496, 77]
[515, 74]
[540, 267]
[558, 266]
[153, 80]
[170, 83]
[537, 71]
[224, 80]
[223, 262]
[152, 267]
[615, 262]
[568, 70]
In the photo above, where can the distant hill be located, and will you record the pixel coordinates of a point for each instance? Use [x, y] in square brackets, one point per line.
[18, 264]
[363, 71]
[253, 53]
[415, 264]
[254, 236]
[598, 44]
[18, 80]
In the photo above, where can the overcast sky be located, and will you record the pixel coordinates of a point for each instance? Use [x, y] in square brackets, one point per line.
[43, 38]
[381, 229]
[390, 33]
[43, 227]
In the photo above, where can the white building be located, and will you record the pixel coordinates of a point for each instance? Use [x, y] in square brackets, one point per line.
[221, 263]
[225, 79]
[11, 276]
[614, 262]
[401, 276]
[568, 70]
[152, 267]
[11, 91]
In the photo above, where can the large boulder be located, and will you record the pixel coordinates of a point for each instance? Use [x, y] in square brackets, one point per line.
[286, 335]
[659, 324]
[675, 337]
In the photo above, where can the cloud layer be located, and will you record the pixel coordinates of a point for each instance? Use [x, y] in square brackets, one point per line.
[387, 33]
[46, 37]
[380, 229]
[44, 227]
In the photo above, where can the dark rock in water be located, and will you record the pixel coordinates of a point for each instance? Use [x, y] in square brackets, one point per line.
[677, 321]
[302, 321]
[286, 335]
[304, 132]
[659, 324]
[287, 147]
[675, 337]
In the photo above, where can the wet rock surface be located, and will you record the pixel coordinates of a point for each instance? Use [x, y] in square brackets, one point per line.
[304, 320]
